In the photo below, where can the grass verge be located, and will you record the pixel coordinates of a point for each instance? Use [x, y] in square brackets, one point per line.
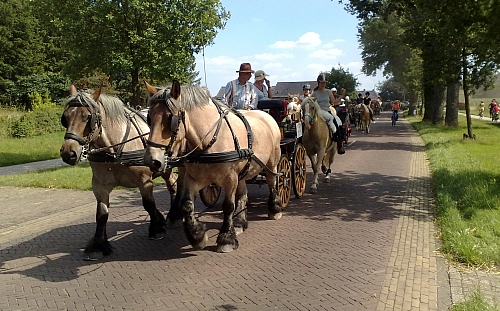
[474, 302]
[466, 184]
[25, 150]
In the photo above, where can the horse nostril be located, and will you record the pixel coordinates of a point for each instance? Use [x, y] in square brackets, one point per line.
[156, 165]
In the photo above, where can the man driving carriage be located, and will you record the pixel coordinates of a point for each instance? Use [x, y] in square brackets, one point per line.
[240, 93]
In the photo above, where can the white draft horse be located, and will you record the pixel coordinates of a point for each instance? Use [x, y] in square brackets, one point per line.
[364, 118]
[113, 137]
[317, 140]
[219, 146]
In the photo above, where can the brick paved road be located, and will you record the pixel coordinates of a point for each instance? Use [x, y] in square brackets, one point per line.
[363, 242]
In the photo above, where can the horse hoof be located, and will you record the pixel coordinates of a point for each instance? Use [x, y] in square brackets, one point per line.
[93, 256]
[327, 179]
[157, 237]
[202, 243]
[238, 230]
[313, 190]
[226, 248]
[274, 216]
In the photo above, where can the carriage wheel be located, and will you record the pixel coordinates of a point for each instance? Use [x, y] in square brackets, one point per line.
[284, 181]
[299, 170]
[210, 195]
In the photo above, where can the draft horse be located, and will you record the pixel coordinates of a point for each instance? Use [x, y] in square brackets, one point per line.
[364, 121]
[216, 145]
[113, 137]
[319, 144]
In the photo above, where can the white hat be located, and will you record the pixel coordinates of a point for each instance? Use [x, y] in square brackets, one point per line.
[334, 89]
[347, 98]
[260, 75]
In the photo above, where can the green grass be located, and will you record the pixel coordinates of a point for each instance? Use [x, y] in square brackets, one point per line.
[466, 184]
[77, 177]
[24, 150]
[474, 302]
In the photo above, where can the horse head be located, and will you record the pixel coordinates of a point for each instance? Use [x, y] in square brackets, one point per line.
[83, 122]
[293, 111]
[311, 111]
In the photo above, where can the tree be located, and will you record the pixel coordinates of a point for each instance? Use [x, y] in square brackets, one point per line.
[21, 46]
[341, 78]
[456, 38]
[135, 39]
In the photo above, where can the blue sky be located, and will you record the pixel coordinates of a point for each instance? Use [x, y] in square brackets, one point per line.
[290, 40]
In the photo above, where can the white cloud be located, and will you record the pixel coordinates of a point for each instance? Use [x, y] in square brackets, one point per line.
[283, 45]
[326, 54]
[269, 56]
[309, 40]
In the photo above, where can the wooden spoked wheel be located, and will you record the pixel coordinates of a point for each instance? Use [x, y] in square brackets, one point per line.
[299, 170]
[210, 195]
[284, 181]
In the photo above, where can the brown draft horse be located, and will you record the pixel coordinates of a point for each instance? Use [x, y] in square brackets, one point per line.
[364, 118]
[113, 137]
[217, 145]
[319, 145]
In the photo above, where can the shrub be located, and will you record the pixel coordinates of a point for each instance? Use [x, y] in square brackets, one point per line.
[34, 123]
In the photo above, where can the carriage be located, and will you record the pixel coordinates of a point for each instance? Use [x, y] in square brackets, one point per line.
[292, 164]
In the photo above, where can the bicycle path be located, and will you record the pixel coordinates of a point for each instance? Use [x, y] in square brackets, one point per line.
[364, 242]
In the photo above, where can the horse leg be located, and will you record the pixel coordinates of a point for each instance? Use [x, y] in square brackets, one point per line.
[174, 215]
[99, 246]
[157, 222]
[329, 160]
[226, 240]
[195, 230]
[315, 163]
[240, 215]
[274, 209]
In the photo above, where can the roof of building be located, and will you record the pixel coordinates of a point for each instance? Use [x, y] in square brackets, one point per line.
[282, 89]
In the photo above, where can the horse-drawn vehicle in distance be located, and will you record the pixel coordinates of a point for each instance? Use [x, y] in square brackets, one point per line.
[292, 164]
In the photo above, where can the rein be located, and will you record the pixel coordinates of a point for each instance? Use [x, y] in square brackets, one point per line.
[200, 156]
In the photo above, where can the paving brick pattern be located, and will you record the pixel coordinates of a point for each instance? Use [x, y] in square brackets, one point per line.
[363, 242]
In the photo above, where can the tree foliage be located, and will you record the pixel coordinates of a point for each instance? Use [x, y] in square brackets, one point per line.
[456, 40]
[134, 39]
[341, 78]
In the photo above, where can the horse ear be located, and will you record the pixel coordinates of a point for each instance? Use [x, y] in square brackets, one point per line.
[72, 90]
[97, 94]
[151, 89]
[175, 91]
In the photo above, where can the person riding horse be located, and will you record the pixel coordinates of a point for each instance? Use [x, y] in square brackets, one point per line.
[326, 99]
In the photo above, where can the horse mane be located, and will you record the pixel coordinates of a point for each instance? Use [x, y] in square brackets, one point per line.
[191, 97]
[313, 102]
[112, 105]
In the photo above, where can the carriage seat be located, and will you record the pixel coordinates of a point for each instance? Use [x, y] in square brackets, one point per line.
[275, 106]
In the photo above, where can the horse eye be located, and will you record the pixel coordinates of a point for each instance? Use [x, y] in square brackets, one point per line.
[148, 120]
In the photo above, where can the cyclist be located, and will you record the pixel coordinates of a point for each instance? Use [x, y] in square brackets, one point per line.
[395, 111]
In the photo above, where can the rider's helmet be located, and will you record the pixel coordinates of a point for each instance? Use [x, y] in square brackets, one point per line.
[306, 87]
[334, 89]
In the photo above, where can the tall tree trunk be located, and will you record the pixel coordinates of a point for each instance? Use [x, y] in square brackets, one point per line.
[136, 88]
[438, 105]
[465, 86]
[451, 118]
